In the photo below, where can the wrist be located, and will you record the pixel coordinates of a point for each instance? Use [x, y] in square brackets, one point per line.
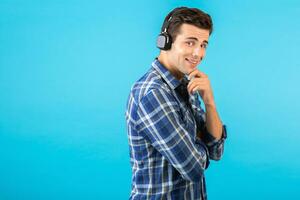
[210, 105]
[209, 101]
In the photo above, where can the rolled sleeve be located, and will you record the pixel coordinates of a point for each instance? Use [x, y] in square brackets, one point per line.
[215, 146]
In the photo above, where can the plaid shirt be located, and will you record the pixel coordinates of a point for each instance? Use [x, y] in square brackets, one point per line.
[167, 158]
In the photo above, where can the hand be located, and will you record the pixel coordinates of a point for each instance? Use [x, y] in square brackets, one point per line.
[200, 82]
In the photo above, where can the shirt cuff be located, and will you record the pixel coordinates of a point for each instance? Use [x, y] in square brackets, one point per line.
[210, 140]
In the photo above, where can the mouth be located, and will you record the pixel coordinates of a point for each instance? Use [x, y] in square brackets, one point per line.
[192, 61]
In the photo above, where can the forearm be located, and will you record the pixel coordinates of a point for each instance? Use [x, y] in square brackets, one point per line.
[200, 83]
[213, 122]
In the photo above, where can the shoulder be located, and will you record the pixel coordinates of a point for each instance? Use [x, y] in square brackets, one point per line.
[149, 83]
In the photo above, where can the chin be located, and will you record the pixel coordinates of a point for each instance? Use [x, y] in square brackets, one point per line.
[191, 67]
[187, 71]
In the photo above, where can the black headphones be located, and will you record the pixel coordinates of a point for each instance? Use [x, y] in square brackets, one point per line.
[164, 40]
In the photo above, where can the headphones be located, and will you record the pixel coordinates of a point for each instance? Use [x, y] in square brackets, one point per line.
[164, 40]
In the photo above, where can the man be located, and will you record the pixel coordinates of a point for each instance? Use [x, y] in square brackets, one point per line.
[171, 137]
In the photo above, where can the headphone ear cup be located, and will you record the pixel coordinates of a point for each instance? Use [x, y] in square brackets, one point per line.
[164, 41]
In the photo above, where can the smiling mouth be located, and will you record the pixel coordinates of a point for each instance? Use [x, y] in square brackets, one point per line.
[192, 61]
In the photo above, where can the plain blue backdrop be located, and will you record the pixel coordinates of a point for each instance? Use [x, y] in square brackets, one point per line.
[66, 68]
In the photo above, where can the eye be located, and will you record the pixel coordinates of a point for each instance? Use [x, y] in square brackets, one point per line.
[190, 43]
[204, 45]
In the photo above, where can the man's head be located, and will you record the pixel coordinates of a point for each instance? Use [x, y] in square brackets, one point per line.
[189, 30]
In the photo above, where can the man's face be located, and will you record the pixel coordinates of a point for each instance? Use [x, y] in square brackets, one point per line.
[187, 50]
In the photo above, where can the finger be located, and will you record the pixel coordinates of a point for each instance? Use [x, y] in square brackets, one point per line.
[198, 89]
[196, 81]
[195, 87]
[202, 74]
[195, 73]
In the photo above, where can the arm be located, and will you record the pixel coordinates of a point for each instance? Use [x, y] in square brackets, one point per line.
[213, 122]
[215, 145]
[161, 124]
[212, 132]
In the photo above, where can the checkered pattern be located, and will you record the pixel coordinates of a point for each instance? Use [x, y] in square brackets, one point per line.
[167, 158]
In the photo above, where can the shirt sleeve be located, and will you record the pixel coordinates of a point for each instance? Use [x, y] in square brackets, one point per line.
[160, 122]
[215, 146]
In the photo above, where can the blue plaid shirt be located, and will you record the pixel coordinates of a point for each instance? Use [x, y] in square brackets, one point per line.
[167, 158]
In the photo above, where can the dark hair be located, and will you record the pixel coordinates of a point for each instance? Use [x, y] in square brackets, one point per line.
[185, 15]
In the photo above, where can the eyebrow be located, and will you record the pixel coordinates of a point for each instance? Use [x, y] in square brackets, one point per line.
[193, 38]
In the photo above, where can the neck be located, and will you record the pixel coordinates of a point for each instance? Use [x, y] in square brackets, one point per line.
[163, 59]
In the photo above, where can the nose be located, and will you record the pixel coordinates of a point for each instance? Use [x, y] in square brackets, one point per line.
[198, 53]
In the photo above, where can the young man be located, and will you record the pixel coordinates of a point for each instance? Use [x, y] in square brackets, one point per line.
[171, 138]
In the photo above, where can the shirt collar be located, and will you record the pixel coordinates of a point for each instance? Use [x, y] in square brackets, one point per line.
[166, 74]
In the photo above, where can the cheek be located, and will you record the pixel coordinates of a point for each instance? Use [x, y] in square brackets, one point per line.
[176, 53]
[181, 48]
[182, 53]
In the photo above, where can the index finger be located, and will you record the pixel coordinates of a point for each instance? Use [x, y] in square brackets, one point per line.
[196, 73]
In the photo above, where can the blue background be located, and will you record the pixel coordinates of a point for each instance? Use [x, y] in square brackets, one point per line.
[66, 68]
